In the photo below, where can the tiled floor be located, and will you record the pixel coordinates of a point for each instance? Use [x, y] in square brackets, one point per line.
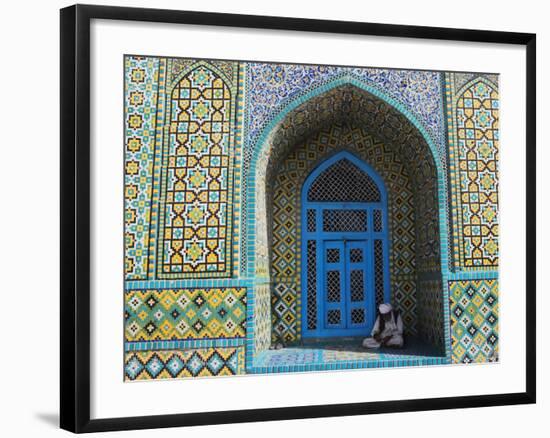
[343, 354]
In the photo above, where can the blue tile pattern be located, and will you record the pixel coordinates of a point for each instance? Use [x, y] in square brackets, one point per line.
[249, 120]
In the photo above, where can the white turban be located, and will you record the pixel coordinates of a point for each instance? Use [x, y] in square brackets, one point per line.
[385, 308]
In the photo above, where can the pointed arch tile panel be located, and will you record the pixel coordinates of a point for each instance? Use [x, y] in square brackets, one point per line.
[197, 184]
[182, 167]
[473, 125]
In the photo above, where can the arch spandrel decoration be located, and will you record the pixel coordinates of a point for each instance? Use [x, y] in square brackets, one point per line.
[350, 101]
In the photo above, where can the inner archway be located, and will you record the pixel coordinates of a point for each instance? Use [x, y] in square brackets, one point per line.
[349, 106]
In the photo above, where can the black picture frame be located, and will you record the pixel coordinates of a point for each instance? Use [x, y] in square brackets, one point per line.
[75, 217]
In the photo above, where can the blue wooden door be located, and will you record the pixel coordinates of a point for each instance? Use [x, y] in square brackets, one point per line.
[345, 269]
[347, 303]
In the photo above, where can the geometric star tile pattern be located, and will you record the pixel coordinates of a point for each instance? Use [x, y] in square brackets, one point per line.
[474, 320]
[430, 308]
[196, 200]
[192, 151]
[262, 317]
[176, 314]
[474, 154]
[173, 364]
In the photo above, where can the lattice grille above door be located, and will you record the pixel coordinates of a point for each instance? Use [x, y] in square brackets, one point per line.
[344, 182]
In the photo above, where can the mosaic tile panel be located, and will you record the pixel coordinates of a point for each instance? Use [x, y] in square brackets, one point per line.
[174, 364]
[431, 319]
[193, 139]
[195, 236]
[350, 101]
[179, 66]
[351, 104]
[461, 79]
[271, 87]
[429, 218]
[172, 314]
[262, 317]
[140, 97]
[286, 314]
[473, 119]
[286, 241]
[428, 244]
[474, 320]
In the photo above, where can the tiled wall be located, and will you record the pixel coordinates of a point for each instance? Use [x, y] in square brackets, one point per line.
[214, 148]
[472, 103]
[474, 320]
[185, 311]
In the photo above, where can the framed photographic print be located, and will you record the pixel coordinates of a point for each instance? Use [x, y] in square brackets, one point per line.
[271, 218]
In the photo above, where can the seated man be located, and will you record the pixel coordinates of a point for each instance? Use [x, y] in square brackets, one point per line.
[387, 330]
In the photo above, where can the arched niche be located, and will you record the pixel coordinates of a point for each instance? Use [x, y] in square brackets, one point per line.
[352, 103]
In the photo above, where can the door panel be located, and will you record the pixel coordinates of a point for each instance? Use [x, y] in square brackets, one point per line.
[334, 284]
[347, 286]
[358, 286]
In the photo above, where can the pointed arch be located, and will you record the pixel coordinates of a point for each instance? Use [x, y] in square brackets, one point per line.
[348, 100]
[473, 164]
[373, 180]
[191, 65]
[195, 221]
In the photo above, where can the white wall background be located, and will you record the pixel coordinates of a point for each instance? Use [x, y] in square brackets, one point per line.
[29, 186]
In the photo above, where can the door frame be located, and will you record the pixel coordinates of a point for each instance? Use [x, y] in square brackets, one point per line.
[320, 236]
